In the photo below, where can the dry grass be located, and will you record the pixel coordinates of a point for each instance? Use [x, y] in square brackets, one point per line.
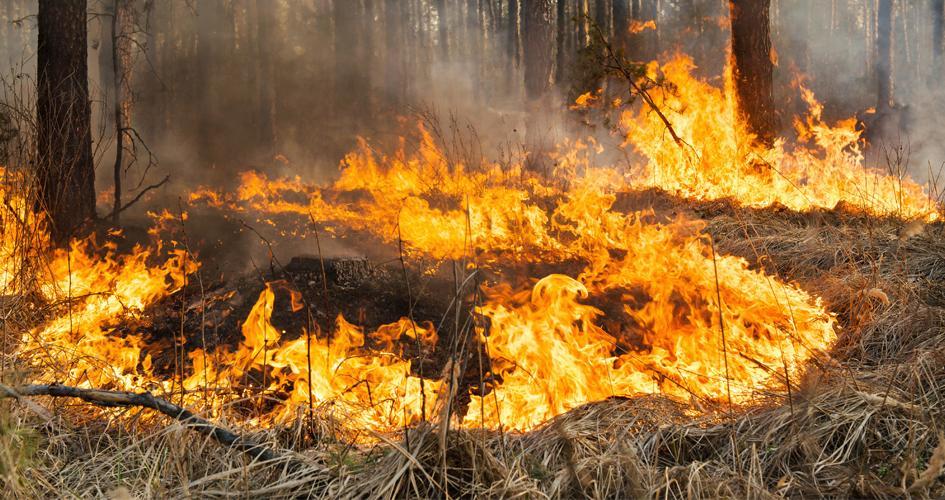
[865, 423]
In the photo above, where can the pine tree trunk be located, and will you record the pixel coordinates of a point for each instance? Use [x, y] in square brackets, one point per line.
[884, 57]
[265, 99]
[538, 37]
[538, 33]
[600, 17]
[938, 23]
[65, 170]
[561, 22]
[443, 40]
[351, 87]
[394, 49]
[754, 71]
[621, 16]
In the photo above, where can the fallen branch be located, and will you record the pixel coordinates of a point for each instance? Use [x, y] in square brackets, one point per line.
[146, 400]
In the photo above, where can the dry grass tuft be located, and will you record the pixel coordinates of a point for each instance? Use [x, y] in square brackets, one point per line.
[866, 422]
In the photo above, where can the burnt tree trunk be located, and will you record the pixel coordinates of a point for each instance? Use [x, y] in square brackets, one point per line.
[65, 171]
[884, 62]
[754, 71]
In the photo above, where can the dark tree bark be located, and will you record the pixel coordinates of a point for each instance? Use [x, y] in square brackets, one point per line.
[754, 71]
[65, 170]
[119, 9]
[208, 12]
[265, 99]
[600, 17]
[351, 84]
[512, 33]
[938, 32]
[394, 49]
[539, 35]
[621, 15]
[884, 56]
[561, 37]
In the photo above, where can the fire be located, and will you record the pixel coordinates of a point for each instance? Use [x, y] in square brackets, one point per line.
[720, 158]
[86, 344]
[337, 375]
[635, 302]
[637, 26]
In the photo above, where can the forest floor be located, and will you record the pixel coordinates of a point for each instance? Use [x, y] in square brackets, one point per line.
[865, 422]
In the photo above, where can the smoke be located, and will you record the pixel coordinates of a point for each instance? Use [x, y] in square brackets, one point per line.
[216, 95]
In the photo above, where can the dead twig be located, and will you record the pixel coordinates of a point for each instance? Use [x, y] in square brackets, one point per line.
[146, 400]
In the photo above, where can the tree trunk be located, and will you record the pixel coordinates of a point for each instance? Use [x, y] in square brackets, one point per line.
[119, 12]
[938, 31]
[560, 51]
[266, 98]
[600, 17]
[538, 30]
[754, 71]
[394, 49]
[538, 38]
[65, 171]
[351, 88]
[621, 15]
[442, 33]
[884, 56]
[512, 33]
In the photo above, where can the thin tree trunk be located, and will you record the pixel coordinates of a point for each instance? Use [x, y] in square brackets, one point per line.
[65, 170]
[394, 48]
[562, 28]
[621, 16]
[265, 78]
[938, 13]
[754, 71]
[118, 13]
[884, 57]
[442, 33]
[600, 17]
[539, 36]
[539, 32]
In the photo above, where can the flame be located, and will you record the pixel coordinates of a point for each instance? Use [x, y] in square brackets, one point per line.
[720, 158]
[637, 26]
[370, 389]
[637, 303]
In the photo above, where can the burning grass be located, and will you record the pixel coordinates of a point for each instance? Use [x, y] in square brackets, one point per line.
[789, 346]
[867, 423]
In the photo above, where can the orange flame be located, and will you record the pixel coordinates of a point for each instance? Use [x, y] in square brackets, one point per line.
[681, 320]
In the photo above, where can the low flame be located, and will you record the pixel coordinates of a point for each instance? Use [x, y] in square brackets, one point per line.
[680, 319]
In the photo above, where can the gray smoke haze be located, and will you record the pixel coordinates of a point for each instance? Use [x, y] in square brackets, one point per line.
[200, 101]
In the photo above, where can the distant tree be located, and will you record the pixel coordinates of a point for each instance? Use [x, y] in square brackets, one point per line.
[884, 57]
[621, 16]
[538, 39]
[754, 69]
[561, 25]
[265, 90]
[65, 171]
[938, 32]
